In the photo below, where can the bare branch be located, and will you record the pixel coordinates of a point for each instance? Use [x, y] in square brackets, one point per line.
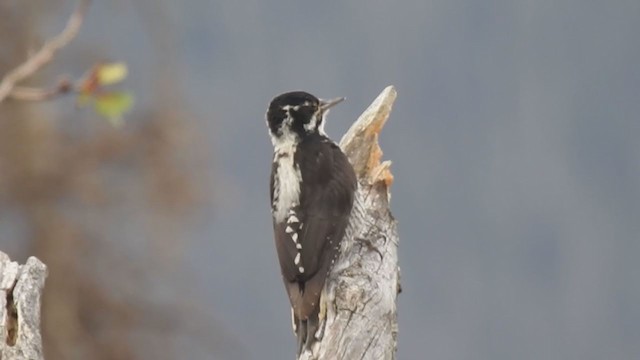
[25, 93]
[43, 56]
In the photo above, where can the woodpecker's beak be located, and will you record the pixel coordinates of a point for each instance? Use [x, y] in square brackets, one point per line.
[327, 104]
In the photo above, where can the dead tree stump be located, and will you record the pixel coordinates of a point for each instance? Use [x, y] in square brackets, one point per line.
[362, 289]
[20, 302]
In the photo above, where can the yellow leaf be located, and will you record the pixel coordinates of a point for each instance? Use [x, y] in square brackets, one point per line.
[113, 105]
[111, 73]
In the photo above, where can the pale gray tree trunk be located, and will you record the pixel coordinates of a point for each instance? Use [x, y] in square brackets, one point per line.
[362, 289]
[20, 293]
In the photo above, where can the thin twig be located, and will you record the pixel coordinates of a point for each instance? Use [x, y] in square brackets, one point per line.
[26, 93]
[45, 54]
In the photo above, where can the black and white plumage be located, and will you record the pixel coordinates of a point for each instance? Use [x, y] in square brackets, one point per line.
[312, 191]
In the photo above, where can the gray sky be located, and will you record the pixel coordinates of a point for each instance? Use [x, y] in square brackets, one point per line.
[515, 147]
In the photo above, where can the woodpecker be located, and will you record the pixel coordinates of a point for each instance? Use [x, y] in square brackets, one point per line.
[312, 191]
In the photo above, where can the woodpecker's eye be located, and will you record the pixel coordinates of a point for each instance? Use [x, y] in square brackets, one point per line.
[306, 113]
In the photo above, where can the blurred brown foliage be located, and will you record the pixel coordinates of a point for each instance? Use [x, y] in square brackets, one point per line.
[76, 192]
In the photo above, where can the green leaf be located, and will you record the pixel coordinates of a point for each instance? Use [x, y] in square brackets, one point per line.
[113, 105]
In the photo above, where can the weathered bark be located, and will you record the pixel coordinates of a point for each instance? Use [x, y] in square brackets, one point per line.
[362, 289]
[20, 291]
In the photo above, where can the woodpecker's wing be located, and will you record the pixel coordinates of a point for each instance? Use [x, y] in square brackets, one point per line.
[326, 200]
[308, 241]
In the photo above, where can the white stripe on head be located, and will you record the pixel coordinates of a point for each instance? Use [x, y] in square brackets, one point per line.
[317, 122]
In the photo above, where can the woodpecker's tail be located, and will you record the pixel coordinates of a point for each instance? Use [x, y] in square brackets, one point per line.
[306, 332]
[301, 334]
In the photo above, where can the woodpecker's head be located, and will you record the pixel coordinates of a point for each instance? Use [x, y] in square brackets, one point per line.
[296, 114]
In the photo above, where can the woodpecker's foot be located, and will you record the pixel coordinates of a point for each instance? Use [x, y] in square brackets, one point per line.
[320, 331]
[322, 317]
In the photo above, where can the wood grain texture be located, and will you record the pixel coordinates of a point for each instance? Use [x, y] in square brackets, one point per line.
[20, 302]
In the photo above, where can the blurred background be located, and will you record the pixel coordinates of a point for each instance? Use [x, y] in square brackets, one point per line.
[515, 147]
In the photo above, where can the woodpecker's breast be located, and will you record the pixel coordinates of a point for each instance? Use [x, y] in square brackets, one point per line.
[286, 182]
